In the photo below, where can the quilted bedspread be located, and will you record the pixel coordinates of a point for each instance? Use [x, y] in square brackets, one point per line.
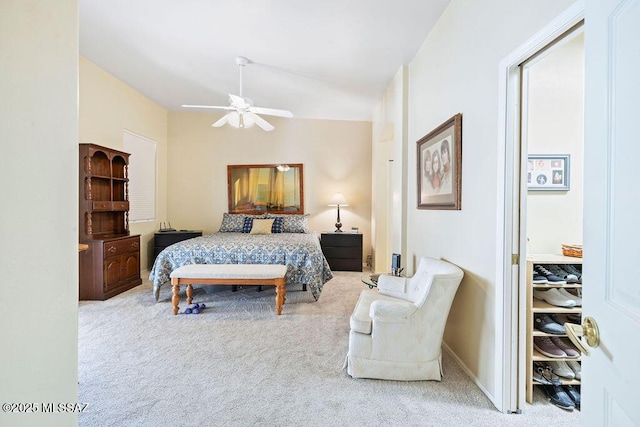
[300, 252]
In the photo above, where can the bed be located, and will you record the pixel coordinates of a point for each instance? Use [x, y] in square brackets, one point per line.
[299, 251]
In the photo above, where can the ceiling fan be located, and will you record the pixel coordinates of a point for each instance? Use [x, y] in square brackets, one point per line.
[242, 112]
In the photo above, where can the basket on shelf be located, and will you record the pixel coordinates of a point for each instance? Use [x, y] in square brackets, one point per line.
[572, 250]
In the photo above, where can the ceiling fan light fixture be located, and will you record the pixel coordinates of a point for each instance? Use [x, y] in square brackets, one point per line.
[246, 114]
[237, 120]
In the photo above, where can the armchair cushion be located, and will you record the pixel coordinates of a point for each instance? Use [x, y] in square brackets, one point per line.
[360, 320]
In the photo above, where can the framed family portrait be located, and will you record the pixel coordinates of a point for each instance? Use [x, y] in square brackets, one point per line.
[548, 172]
[440, 166]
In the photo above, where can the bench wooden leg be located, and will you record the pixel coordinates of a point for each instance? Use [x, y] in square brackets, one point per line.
[175, 299]
[281, 291]
[189, 294]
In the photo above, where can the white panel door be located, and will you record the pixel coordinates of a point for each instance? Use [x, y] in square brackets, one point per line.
[611, 269]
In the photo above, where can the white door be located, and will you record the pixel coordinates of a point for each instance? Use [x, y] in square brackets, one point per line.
[611, 269]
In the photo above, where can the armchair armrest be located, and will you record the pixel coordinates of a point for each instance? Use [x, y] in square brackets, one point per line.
[391, 311]
[388, 284]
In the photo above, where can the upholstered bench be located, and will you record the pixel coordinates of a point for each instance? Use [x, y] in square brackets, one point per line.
[228, 274]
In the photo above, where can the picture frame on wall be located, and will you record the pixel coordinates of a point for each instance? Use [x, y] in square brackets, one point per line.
[439, 167]
[548, 172]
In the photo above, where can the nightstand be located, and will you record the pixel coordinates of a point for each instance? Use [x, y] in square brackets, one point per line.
[343, 251]
[162, 239]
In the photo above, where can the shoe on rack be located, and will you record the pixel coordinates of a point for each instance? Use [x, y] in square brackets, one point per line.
[556, 318]
[539, 279]
[568, 349]
[551, 278]
[545, 323]
[559, 397]
[572, 269]
[576, 368]
[553, 297]
[559, 271]
[573, 394]
[539, 375]
[562, 369]
[570, 296]
[545, 346]
[544, 375]
[574, 318]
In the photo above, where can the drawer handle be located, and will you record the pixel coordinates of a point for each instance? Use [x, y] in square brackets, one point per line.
[112, 249]
[134, 244]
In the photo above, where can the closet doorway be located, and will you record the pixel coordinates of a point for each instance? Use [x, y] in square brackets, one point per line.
[551, 215]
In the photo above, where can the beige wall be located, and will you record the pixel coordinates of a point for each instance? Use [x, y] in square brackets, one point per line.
[107, 107]
[555, 126]
[38, 230]
[389, 180]
[336, 156]
[456, 71]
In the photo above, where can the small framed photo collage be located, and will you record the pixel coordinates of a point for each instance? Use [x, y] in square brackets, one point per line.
[548, 172]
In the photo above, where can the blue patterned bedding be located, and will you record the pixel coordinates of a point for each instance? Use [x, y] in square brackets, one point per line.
[300, 252]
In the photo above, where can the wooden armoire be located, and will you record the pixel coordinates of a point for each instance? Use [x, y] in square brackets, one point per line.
[111, 265]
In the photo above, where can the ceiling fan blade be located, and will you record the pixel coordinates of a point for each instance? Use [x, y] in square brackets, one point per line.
[223, 121]
[216, 107]
[265, 125]
[271, 112]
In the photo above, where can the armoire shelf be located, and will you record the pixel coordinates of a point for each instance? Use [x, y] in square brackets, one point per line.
[535, 306]
[111, 265]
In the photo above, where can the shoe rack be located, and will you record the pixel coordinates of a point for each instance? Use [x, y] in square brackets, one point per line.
[535, 306]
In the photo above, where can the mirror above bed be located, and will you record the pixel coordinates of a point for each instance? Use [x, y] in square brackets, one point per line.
[274, 188]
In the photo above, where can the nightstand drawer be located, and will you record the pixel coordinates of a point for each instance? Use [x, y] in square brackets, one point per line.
[341, 239]
[167, 238]
[342, 251]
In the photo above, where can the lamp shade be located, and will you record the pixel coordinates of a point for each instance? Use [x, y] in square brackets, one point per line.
[338, 200]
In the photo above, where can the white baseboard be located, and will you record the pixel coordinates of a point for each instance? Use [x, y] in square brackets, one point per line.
[471, 375]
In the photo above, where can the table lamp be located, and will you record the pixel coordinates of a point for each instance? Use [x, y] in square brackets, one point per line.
[338, 200]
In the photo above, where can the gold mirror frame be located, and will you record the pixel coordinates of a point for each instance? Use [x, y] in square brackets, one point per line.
[272, 188]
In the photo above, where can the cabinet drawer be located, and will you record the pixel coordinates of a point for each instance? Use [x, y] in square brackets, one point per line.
[345, 264]
[101, 206]
[119, 247]
[120, 206]
[110, 206]
[342, 252]
[341, 239]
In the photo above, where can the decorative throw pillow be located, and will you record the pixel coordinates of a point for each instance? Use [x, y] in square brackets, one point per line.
[262, 226]
[248, 223]
[277, 225]
[295, 223]
[232, 223]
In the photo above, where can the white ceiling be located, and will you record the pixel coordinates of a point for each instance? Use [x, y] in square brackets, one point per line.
[329, 59]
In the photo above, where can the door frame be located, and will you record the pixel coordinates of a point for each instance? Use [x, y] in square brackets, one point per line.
[511, 211]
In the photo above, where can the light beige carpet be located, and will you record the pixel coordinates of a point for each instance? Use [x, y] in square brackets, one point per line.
[238, 364]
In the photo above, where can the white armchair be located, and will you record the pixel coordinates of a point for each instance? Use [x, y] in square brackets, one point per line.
[396, 330]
